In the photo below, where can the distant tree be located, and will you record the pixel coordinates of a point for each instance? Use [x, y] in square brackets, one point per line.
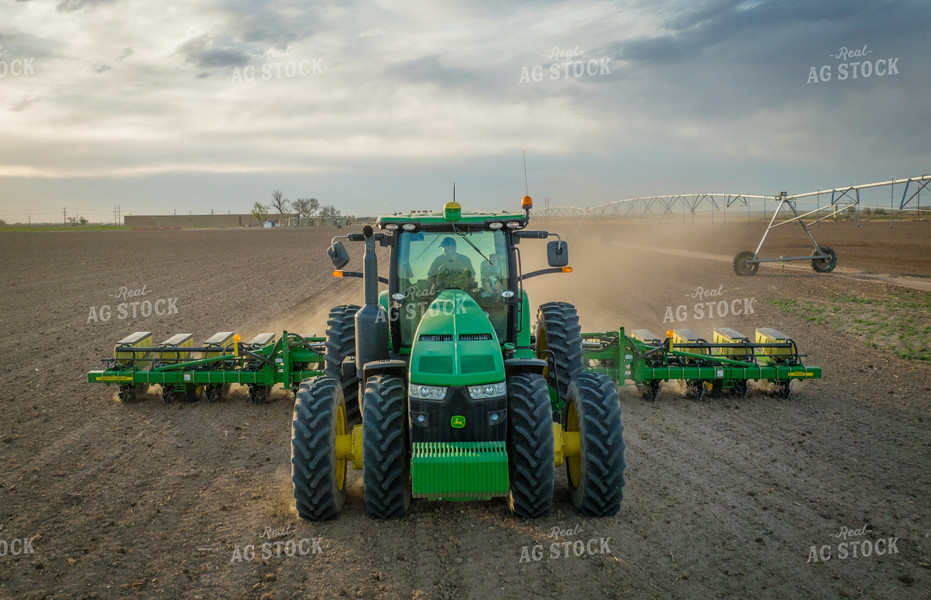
[82, 221]
[329, 211]
[279, 202]
[306, 207]
[73, 220]
[260, 212]
[866, 212]
[2, 222]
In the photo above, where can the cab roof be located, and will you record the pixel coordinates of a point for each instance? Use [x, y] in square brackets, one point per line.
[436, 220]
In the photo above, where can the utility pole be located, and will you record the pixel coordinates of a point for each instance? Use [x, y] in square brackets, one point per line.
[64, 216]
[29, 221]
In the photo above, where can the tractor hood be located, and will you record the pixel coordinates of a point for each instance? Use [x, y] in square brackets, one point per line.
[455, 344]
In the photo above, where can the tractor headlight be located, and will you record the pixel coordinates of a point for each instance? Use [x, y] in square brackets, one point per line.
[428, 392]
[491, 390]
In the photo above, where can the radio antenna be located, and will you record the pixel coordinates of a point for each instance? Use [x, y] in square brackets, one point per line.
[526, 185]
[454, 191]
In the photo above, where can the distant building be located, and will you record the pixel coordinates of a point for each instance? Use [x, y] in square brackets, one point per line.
[228, 221]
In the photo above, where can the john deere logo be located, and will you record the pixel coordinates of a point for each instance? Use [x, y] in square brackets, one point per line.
[458, 422]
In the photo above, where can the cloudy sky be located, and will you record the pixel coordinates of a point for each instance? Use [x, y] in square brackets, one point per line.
[374, 105]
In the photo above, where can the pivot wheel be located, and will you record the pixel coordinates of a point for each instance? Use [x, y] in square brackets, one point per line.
[340, 355]
[742, 265]
[596, 476]
[385, 449]
[559, 343]
[319, 478]
[824, 265]
[649, 390]
[531, 455]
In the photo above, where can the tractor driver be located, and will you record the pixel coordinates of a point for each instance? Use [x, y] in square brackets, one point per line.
[451, 269]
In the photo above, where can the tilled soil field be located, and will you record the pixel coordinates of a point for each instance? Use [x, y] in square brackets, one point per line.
[819, 496]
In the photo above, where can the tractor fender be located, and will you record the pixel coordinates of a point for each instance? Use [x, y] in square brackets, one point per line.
[384, 367]
[518, 366]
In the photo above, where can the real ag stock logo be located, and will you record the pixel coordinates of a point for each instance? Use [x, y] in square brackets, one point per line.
[713, 308]
[277, 64]
[857, 64]
[136, 308]
[17, 546]
[853, 546]
[16, 67]
[575, 69]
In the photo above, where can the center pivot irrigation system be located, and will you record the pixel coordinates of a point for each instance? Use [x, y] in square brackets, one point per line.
[459, 396]
[824, 258]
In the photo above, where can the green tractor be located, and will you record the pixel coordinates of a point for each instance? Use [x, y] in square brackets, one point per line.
[459, 396]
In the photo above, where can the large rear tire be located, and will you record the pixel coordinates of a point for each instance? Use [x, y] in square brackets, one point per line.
[559, 343]
[341, 345]
[386, 451]
[596, 477]
[530, 447]
[319, 479]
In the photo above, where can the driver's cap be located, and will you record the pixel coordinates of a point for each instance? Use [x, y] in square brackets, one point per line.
[448, 241]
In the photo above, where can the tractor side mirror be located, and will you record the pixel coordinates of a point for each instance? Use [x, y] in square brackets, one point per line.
[557, 253]
[338, 255]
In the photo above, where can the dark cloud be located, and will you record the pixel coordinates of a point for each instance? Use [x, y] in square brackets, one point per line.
[727, 59]
[24, 103]
[20, 43]
[203, 52]
[75, 5]
[430, 69]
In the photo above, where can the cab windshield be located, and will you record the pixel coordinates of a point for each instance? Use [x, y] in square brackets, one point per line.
[430, 262]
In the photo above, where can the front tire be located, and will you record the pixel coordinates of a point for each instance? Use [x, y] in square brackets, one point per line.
[319, 479]
[386, 452]
[596, 477]
[531, 457]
